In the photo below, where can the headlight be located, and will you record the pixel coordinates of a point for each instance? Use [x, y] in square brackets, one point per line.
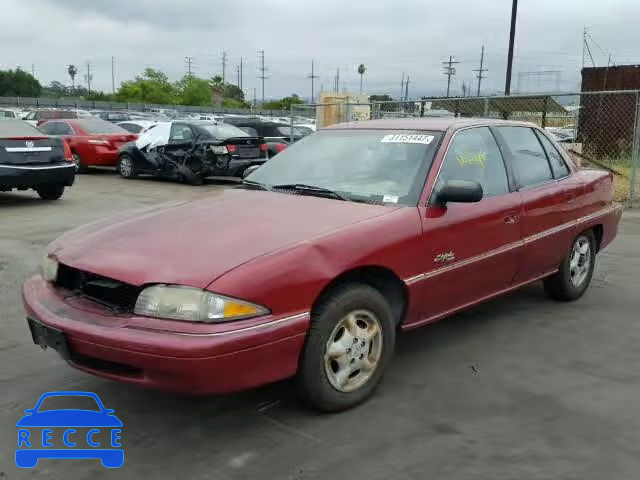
[193, 305]
[49, 268]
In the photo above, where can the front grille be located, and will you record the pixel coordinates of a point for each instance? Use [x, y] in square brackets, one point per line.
[111, 293]
[248, 151]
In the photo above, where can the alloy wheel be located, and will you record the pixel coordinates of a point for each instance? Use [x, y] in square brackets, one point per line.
[580, 261]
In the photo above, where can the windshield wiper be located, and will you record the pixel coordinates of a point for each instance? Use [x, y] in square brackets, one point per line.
[301, 187]
[259, 185]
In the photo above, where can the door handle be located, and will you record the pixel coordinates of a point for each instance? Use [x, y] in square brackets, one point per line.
[511, 219]
[570, 197]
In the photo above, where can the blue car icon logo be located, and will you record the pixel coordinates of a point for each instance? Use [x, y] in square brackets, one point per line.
[78, 433]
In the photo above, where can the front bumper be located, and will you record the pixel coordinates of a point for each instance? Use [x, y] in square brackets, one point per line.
[30, 176]
[175, 356]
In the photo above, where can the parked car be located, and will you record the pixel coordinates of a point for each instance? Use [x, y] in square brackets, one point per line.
[191, 151]
[277, 136]
[93, 142]
[332, 246]
[38, 117]
[30, 160]
[7, 114]
[137, 126]
[115, 117]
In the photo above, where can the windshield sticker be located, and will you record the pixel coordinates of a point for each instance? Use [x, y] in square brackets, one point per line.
[423, 139]
[470, 159]
[390, 198]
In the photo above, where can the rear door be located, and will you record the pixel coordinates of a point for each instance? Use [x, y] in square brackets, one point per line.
[470, 248]
[545, 231]
[21, 144]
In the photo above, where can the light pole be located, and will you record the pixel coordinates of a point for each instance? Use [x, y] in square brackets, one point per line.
[512, 36]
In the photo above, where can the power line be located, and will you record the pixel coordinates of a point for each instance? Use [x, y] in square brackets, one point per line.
[449, 71]
[480, 70]
[224, 65]
[263, 69]
[189, 63]
[313, 76]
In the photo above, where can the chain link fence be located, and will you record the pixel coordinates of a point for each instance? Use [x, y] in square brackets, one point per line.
[598, 129]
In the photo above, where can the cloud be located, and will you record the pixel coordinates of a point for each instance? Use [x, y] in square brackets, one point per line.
[389, 36]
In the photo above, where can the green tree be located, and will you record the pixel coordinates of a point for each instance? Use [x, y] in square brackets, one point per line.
[152, 87]
[18, 83]
[55, 89]
[226, 94]
[194, 91]
[283, 104]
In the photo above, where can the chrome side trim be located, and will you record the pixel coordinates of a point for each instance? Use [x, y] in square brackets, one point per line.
[18, 167]
[510, 246]
[27, 149]
[230, 332]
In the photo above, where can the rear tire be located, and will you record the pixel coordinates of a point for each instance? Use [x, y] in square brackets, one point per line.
[574, 276]
[80, 166]
[50, 192]
[126, 167]
[348, 348]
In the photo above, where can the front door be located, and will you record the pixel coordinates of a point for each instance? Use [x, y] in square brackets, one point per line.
[470, 248]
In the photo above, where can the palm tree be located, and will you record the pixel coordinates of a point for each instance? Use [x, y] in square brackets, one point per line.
[72, 71]
[361, 70]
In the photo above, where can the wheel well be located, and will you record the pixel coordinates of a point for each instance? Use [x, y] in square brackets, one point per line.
[382, 279]
[598, 232]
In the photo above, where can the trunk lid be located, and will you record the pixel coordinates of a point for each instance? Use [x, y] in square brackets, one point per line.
[244, 147]
[31, 151]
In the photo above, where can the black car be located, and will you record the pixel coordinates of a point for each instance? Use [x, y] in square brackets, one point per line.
[29, 159]
[191, 151]
[276, 135]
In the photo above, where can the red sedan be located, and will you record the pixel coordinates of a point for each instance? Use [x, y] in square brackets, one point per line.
[93, 142]
[326, 251]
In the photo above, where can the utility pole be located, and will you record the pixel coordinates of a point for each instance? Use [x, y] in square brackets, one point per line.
[262, 70]
[238, 75]
[449, 71]
[336, 82]
[402, 87]
[33, 70]
[406, 89]
[512, 37]
[88, 76]
[313, 76]
[480, 71]
[113, 77]
[255, 99]
[224, 66]
[189, 61]
[241, 75]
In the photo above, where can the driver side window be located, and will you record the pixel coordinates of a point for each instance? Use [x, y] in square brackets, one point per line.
[180, 134]
[474, 155]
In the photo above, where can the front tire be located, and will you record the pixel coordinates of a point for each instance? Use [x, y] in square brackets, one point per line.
[575, 273]
[50, 192]
[126, 167]
[348, 348]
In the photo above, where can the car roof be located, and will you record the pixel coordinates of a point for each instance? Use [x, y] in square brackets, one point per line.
[437, 124]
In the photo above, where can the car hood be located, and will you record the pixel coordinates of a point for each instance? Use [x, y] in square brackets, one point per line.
[69, 418]
[193, 243]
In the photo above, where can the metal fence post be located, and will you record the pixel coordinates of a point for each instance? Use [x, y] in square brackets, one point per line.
[291, 122]
[544, 112]
[635, 154]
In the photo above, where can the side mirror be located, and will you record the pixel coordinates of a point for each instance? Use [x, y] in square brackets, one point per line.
[250, 170]
[460, 191]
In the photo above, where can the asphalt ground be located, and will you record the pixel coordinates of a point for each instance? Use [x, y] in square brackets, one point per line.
[518, 388]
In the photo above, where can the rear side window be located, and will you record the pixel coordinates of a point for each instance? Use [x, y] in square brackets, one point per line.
[529, 159]
[558, 165]
[100, 126]
[65, 114]
[474, 155]
[131, 127]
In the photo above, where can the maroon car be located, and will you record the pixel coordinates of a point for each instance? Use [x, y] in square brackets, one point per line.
[325, 252]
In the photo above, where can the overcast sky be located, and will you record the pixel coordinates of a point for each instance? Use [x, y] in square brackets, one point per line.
[388, 36]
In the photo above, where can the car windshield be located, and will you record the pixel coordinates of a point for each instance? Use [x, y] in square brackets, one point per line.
[223, 131]
[100, 126]
[378, 165]
[66, 402]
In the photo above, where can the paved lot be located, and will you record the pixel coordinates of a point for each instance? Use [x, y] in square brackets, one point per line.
[519, 388]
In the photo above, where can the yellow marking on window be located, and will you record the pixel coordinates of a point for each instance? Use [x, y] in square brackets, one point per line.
[469, 159]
